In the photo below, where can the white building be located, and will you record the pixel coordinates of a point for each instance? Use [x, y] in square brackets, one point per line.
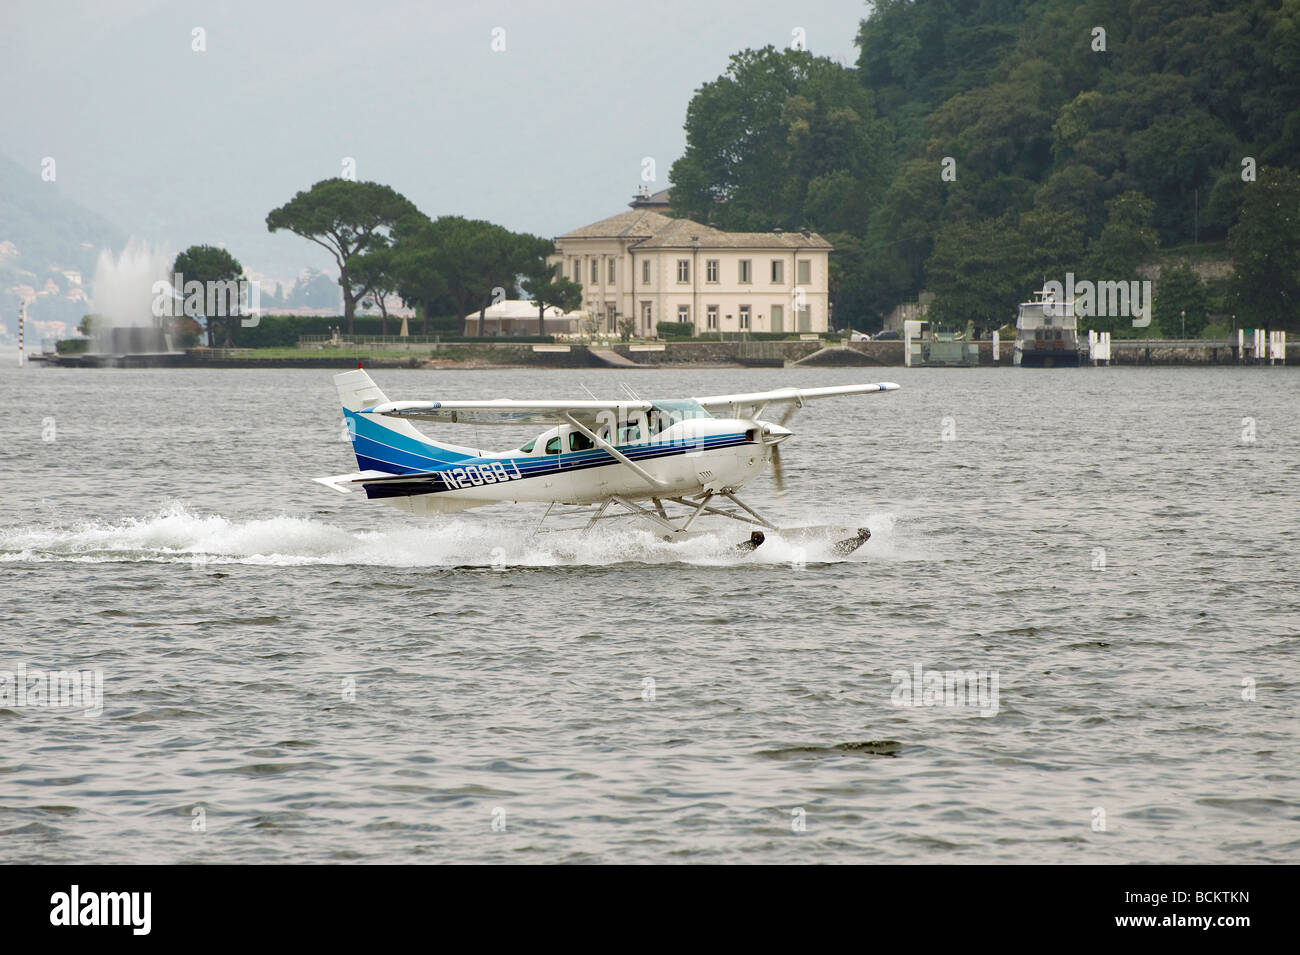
[519, 317]
[652, 268]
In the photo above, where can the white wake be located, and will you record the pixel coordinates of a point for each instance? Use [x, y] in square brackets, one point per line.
[178, 535]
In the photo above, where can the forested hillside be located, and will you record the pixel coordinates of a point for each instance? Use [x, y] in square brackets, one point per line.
[981, 146]
[42, 236]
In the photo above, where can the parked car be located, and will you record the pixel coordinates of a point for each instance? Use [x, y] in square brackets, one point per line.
[888, 335]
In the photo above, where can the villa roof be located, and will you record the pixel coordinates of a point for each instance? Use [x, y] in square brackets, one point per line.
[681, 234]
[655, 231]
[637, 222]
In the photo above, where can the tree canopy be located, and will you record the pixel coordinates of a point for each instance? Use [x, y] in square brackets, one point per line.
[1265, 246]
[210, 263]
[346, 218]
[382, 244]
[547, 285]
[1078, 136]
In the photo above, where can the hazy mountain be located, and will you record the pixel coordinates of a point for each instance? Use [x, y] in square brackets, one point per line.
[47, 243]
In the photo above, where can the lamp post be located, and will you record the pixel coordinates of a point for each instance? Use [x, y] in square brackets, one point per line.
[1183, 313]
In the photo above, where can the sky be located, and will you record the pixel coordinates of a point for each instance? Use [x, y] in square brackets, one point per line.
[179, 146]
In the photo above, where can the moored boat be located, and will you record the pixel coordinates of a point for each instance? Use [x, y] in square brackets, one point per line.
[1046, 333]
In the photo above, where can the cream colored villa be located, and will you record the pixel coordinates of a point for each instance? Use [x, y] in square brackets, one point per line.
[647, 266]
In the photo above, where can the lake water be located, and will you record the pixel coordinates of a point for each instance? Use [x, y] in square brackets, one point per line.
[295, 675]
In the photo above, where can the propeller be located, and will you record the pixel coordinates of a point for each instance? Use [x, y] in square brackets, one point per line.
[778, 471]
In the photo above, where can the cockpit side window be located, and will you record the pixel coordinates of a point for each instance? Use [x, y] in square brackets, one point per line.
[553, 446]
[528, 448]
[580, 442]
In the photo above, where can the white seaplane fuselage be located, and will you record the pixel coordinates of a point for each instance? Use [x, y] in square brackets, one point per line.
[687, 458]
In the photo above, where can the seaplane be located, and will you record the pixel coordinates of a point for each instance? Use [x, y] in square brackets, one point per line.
[666, 463]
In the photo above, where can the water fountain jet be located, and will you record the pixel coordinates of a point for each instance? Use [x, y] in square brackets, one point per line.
[122, 297]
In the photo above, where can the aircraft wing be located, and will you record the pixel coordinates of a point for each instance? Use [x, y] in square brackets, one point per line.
[511, 411]
[506, 410]
[752, 403]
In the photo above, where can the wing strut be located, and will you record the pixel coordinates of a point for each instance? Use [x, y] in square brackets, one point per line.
[618, 455]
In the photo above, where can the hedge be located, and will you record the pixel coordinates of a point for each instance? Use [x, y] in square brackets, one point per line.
[283, 331]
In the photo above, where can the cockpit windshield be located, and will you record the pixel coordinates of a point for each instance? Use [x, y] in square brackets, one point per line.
[679, 409]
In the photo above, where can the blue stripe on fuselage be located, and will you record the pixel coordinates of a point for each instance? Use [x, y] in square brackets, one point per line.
[538, 466]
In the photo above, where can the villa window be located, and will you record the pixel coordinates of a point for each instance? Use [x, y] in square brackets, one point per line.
[611, 270]
[595, 270]
[805, 272]
[744, 317]
[577, 270]
[645, 272]
[683, 313]
[683, 270]
[778, 271]
[711, 270]
[711, 318]
[746, 272]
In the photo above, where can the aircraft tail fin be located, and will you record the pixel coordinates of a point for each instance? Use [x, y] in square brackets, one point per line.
[385, 444]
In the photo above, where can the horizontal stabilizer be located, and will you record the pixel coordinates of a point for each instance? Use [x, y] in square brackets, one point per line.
[341, 482]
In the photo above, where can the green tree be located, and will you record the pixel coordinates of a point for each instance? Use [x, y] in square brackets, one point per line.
[772, 125]
[976, 273]
[208, 263]
[1126, 240]
[374, 271]
[1265, 246]
[908, 219]
[867, 279]
[1053, 244]
[1180, 292]
[465, 264]
[1176, 159]
[548, 286]
[416, 268]
[345, 218]
[1079, 189]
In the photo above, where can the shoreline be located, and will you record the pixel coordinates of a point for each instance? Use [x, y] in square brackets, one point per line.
[504, 354]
